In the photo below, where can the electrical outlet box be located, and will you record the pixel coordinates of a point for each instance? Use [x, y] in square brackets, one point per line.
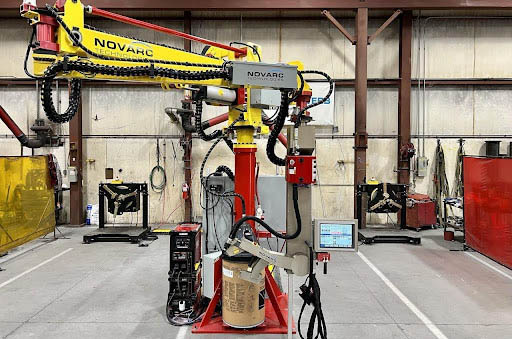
[109, 173]
[422, 167]
[72, 174]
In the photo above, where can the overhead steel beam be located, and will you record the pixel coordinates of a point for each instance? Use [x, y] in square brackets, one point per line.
[404, 97]
[339, 26]
[361, 92]
[283, 4]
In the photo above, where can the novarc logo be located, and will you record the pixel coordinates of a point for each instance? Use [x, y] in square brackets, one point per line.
[265, 74]
[132, 47]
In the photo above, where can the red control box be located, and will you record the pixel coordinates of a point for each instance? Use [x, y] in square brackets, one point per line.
[301, 169]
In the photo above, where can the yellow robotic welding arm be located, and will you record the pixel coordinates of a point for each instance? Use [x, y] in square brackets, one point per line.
[65, 47]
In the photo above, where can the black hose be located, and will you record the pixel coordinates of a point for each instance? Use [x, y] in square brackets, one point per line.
[311, 295]
[301, 88]
[295, 199]
[319, 102]
[275, 233]
[225, 169]
[272, 139]
[229, 143]
[254, 49]
[203, 164]
[25, 62]
[199, 124]
[27, 54]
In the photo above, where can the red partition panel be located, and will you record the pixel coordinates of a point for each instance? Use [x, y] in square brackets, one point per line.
[488, 207]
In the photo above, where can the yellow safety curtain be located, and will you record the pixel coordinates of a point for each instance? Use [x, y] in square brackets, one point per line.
[27, 202]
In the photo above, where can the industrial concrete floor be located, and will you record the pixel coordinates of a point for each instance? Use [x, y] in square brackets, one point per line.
[117, 290]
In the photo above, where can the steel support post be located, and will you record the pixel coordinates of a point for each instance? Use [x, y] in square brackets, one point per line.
[76, 203]
[361, 87]
[404, 96]
[187, 138]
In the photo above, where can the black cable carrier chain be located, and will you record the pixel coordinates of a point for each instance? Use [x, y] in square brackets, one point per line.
[88, 68]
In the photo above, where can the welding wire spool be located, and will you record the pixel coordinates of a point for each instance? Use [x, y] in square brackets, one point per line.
[243, 302]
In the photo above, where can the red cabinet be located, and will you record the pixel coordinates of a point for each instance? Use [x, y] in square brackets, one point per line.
[422, 212]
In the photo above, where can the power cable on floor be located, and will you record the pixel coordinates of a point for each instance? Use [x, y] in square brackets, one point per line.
[311, 295]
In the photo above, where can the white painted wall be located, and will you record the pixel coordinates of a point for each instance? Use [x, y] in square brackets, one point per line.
[453, 49]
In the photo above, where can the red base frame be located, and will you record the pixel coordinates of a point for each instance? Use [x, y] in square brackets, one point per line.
[276, 312]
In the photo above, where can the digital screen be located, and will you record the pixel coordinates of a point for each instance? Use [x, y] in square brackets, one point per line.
[336, 236]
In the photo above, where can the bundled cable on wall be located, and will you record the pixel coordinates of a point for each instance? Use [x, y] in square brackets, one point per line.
[158, 187]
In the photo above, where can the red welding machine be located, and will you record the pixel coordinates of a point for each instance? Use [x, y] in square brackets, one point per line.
[422, 213]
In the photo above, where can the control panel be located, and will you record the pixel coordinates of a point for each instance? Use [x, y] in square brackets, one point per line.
[301, 169]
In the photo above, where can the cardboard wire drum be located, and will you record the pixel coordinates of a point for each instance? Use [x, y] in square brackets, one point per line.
[243, 302]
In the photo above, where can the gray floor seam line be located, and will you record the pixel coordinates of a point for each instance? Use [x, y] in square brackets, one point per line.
[50, 303]
[27, 251]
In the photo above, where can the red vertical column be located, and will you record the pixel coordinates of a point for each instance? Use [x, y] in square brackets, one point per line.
[245, 180]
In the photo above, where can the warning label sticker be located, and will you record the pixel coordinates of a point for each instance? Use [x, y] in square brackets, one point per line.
[227, 273]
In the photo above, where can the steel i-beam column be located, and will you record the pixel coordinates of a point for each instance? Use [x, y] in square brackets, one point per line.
[76, 198]
[404, 96]
[187, 138]
[361, 86]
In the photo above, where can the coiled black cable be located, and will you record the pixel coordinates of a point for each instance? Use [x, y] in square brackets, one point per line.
[198, 117]
[158, 187]
[278, 126]
[275, 233]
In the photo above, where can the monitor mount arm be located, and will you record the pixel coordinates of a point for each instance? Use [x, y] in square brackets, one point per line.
[297, 264]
